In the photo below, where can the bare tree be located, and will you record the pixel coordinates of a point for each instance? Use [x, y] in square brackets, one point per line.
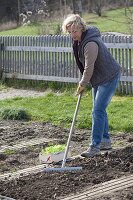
[96, 6]
[99, 6]
[77, 7]
[90, 6]
[129, 15]
[36, 13]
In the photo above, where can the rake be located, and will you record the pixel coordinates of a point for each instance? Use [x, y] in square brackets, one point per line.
[63, 167]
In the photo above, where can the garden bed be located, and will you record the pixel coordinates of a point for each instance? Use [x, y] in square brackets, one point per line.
[56, 185]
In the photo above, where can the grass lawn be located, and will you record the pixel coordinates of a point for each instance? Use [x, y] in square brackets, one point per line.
[59, 110]
[111, 21]
[22, 30]
[34, 29]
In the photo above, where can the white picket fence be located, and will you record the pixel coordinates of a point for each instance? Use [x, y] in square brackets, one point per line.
[50, 58]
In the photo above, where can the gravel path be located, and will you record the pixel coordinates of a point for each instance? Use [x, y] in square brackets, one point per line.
[12, 93]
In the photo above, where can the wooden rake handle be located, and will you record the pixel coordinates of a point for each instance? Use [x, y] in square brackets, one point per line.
[71, 130]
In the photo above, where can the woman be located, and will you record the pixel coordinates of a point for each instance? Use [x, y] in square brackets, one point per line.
[98, 68]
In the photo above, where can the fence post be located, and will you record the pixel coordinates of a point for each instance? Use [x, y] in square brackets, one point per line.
[1, 49]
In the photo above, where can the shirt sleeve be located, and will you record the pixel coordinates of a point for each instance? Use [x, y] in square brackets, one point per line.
[90, 54]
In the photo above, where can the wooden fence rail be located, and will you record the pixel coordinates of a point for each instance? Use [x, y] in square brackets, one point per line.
[50, 58]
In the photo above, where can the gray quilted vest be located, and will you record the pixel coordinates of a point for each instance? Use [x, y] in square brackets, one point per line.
[105, 67]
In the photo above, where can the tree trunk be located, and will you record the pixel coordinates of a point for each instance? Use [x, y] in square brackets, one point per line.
[77, 7]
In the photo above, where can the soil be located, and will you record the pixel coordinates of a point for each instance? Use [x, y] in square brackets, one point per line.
[57, 185]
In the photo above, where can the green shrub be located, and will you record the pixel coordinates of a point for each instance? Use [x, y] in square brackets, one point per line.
[14, 114]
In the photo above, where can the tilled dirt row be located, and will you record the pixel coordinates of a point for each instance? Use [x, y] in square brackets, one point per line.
[46, 185]
[50, 186]
[15, 133]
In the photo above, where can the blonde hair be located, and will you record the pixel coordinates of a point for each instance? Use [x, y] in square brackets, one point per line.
[74, 19]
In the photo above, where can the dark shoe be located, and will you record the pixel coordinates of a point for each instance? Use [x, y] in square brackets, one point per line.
[91, 152]
[105, 146]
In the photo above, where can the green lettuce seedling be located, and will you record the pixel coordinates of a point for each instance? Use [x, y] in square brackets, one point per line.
[54, 149]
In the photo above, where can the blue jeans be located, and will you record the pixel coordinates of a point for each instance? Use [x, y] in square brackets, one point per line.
[102, 96]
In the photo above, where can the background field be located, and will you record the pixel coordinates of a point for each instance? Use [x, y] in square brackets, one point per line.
[110, 21]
